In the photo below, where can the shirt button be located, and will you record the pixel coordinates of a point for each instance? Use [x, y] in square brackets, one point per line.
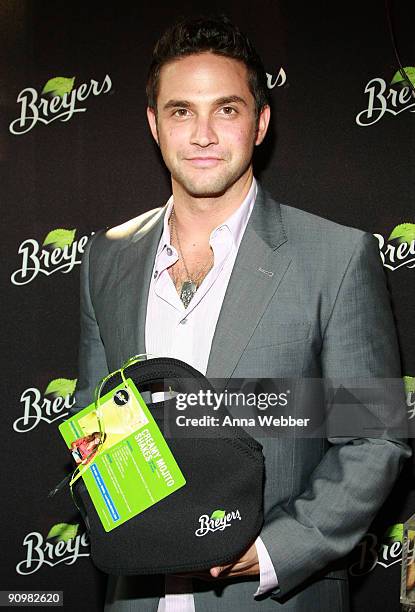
[169, 251]
[155, 275]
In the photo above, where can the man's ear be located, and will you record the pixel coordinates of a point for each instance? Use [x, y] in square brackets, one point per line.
[152, 121]
[263, 122]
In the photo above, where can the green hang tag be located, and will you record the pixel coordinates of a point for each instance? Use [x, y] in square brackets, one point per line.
[134, 467]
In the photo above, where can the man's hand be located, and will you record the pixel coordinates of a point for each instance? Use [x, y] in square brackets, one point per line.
[247, 565]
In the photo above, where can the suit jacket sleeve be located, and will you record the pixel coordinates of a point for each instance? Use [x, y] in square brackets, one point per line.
[92, 362]
[356, 474]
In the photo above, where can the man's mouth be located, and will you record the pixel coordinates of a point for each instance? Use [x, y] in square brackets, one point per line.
[204, 162]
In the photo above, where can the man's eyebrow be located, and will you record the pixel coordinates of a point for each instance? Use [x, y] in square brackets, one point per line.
[217, 102]
[176, 104]
[230, 100]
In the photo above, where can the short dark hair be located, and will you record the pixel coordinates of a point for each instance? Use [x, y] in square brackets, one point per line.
[217, 35]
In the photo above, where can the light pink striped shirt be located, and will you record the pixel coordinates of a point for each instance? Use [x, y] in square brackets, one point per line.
[186, 333]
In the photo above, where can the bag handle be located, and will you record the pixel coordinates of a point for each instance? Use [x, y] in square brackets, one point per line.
[158, 369]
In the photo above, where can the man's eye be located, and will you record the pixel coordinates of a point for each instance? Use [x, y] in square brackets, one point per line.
[181, 112]
[228, 110]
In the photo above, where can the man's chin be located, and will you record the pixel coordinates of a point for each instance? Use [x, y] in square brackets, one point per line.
[205, 193]
[206, 190]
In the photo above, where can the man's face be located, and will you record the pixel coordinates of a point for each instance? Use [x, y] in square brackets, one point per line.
[206, 126]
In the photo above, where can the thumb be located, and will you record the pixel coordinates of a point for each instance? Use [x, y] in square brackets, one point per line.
[215, 571]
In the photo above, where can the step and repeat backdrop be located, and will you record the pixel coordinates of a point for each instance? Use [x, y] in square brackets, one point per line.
[76, 155]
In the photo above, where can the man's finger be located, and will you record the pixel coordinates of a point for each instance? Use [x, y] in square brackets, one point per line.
[224, 569]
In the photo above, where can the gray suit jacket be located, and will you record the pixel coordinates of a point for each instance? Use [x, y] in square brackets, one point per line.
[307, 298]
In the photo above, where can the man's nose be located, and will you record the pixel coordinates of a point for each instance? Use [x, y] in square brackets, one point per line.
[203, 133]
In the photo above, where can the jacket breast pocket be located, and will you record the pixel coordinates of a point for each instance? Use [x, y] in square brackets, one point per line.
[275, 350]
[275, 333]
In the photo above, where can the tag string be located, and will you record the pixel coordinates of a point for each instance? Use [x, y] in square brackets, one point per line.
[81, 468]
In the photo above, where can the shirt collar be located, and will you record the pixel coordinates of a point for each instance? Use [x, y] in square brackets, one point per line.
[236, 223]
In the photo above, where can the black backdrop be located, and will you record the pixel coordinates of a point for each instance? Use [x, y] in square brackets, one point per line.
[338, 147]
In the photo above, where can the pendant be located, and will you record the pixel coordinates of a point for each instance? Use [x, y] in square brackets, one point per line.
[187, 292]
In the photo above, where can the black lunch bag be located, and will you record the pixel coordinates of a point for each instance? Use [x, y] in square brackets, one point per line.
[224, 472]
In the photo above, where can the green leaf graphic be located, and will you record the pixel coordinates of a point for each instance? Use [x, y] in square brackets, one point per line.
[395, 532]
[60, 238]
[405, 232]
[63, 531]
[409, 382]
[217, 514]
[410, 76]
[58, 86]
[61, 387]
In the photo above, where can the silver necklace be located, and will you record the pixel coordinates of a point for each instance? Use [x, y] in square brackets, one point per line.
[189, 286]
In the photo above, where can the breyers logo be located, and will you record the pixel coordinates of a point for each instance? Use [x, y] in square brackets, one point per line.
[219, 520]
[276, 81]
[37, 408]
[62, 253]
[371, 552]
[383, 98]
[410, 395]
[63, 544]
[58, 101]
[399, 249]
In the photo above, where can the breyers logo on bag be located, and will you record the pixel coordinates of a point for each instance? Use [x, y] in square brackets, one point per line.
[219, 520]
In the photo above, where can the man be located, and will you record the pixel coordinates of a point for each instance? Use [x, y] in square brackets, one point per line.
[237, 285]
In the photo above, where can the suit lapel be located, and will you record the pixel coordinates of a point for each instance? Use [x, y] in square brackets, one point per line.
[261, 263]
[134, 272]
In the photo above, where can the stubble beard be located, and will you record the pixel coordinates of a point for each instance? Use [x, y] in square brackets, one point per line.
[195, 187]
[203, 186]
